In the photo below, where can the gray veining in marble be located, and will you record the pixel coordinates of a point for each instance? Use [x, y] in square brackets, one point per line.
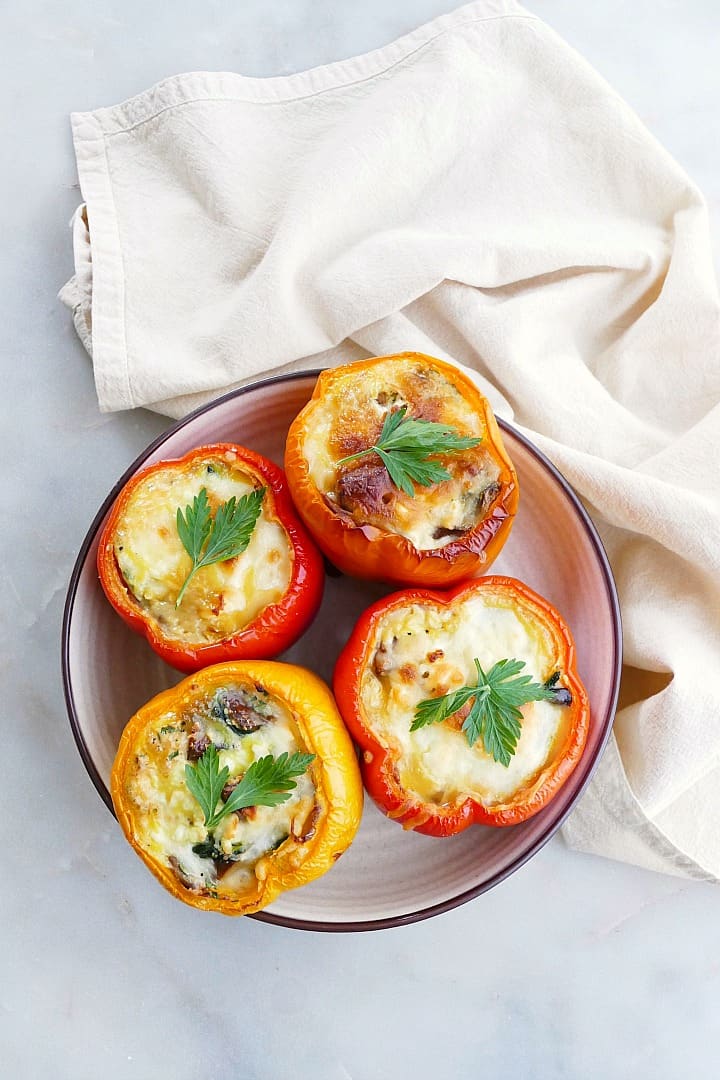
[575, 967]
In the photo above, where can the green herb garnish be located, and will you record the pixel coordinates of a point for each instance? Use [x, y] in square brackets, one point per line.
[406, 448]
[495, 713]
[268, 782]
[210, 540]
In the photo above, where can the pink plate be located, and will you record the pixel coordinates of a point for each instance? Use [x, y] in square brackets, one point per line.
[388, 876]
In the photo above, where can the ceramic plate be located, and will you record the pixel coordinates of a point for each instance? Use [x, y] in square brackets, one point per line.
[388, 876]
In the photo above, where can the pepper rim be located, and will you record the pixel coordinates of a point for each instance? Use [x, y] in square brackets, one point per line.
[584, 772]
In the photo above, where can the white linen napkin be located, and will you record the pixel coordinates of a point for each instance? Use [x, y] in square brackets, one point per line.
[477, 192]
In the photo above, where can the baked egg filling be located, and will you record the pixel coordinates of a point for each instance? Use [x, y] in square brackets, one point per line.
[244, 723]
[349, 418]
[424, 651]
[221, 599]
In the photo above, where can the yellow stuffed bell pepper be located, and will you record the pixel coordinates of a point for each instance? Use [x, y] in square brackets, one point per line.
[238, 784]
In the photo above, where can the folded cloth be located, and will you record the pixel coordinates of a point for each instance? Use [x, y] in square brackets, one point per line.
[477, 192]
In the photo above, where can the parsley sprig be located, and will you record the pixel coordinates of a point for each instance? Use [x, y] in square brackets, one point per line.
[406, 448]
[495, 715]
[210, 540]
[267, 782]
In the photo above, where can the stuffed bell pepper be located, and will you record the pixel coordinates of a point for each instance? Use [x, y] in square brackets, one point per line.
[466, 705]
[238, 784]
[398, 469]
[206, 557]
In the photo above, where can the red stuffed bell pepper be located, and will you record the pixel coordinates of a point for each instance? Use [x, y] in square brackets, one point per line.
[466, 705]
[206, 557]
[398, 469]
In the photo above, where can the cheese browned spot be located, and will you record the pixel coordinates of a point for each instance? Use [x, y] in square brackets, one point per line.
[169, 822]
[349, 418]
[440, 643]
[222, 598]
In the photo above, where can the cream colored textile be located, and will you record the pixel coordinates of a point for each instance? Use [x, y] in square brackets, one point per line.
[476, 191]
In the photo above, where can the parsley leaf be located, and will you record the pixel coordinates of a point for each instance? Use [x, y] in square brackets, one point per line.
[206, 781]
[434, 710]
[495, 715]
[406, 447]
[267, 782]
[209, 540]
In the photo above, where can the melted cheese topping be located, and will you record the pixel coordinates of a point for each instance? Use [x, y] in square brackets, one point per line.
[167, 818]
[424, 651]
[349, 418]
[222, 598]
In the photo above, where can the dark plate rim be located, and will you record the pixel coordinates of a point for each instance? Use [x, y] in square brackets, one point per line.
[587, 768]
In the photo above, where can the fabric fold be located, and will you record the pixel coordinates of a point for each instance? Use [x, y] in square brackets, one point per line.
[476, 191]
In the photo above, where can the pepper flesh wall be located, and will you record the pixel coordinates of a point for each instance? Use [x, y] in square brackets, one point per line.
[418, 645]
[247, 711]
[254, 605]
[366, 526]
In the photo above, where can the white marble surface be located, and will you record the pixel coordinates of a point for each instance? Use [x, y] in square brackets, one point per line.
[575, 967]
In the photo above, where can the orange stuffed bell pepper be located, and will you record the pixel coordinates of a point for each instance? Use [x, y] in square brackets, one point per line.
[238, 784]
[206, 557]
[466, 704]
[398, 469]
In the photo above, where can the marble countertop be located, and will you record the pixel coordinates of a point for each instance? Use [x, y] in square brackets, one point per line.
[575, 966]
